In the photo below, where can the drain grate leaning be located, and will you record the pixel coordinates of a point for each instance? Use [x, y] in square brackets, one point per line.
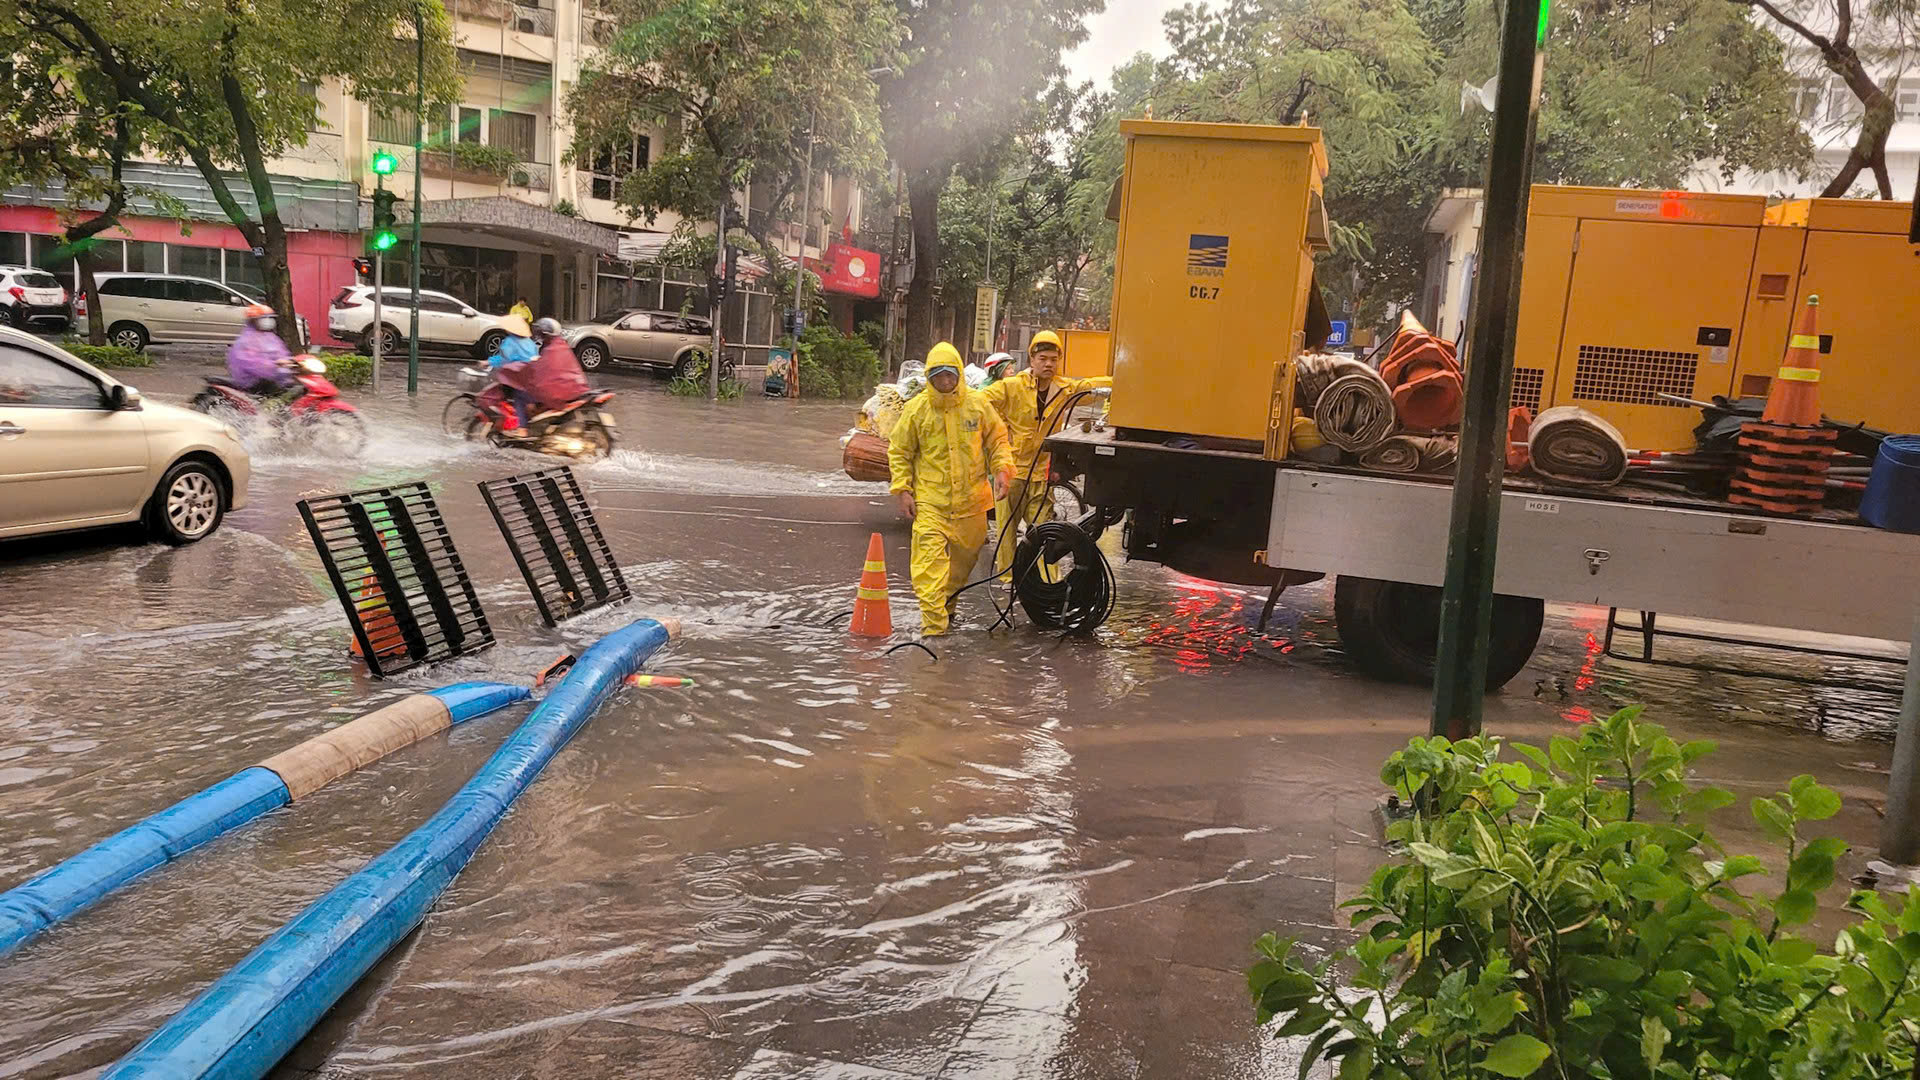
[557, 542]
[393, 565]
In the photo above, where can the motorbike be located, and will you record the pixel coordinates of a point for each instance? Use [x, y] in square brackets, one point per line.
[581, 429]
[318, 416]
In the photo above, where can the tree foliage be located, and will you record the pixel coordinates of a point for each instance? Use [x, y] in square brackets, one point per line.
[1569, 914]
[1636, 93]
[973, 70]
[738, 87]
[1852, 41]
[220, 85]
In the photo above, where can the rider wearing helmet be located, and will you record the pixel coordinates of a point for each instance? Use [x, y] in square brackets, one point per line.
[557, 378]
[257, 361]
[999, 366]
[553, 380]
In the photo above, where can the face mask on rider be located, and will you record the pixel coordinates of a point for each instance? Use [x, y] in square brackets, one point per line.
[265, 322]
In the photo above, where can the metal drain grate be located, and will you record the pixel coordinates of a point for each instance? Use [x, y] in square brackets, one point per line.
[392, 562]
[556, 541]
[1634, 376]
[1527, 384]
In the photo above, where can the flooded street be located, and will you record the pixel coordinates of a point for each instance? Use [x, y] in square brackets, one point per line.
[1028, 857]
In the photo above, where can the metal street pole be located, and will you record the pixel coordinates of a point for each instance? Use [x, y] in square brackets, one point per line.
[806, 214]
[419, 148]
[379, 317]
[1466, 605]
[718, 303]
[1900, 829]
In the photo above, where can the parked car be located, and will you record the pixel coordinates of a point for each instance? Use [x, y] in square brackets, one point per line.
[446, 324]
[665, 341]
[32, 299]
[143, 309]
[79, 449]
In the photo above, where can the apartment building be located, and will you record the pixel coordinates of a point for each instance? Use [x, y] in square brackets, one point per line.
[505, 214]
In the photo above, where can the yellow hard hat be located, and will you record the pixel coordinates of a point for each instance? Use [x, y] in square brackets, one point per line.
[516, 326]
[943, 355]
[1045, 338]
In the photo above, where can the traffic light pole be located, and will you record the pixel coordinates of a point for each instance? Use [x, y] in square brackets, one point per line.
[419, 146]
[1466, 603]
[379, 317]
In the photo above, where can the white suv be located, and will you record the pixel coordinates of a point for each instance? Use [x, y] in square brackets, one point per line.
[139, 309]
[445, 323]
[32, 299]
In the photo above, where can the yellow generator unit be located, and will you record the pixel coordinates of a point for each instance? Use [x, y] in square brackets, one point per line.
[1212, 273]
[1086, 353]
[1631, 299]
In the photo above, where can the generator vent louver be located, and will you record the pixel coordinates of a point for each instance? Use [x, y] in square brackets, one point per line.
[1634, 376]
[1527, 383]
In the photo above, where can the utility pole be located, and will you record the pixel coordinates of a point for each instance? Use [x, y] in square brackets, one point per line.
[384, 237]
[718, 303]
[419, 149]
[806, 226]
[1466, 604]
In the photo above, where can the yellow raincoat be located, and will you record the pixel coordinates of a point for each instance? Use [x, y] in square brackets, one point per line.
[943, 449]
[1017, 402]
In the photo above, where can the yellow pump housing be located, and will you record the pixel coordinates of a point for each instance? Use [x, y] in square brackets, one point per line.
[1212, 272]
[1086, 353]
[1628, 296]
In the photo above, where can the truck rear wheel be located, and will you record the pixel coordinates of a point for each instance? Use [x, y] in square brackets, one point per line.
[1391, 630]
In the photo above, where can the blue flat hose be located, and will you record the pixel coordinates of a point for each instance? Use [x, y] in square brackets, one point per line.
[71, 885]
[247, 1021]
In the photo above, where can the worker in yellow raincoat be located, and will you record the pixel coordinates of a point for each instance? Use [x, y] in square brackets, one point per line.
[1030, 402]
[950, 459]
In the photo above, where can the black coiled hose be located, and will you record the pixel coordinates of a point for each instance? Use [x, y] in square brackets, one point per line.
[1083, 597]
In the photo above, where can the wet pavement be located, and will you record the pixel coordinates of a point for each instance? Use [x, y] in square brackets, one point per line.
[1029, 857]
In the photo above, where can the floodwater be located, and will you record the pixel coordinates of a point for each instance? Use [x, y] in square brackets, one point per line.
[1028, 857]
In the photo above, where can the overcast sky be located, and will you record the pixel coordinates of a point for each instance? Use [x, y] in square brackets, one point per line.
[1124, 28]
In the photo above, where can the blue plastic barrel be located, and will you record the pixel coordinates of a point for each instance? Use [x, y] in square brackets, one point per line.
[1892, 500]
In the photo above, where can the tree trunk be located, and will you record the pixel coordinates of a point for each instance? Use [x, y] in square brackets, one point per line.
[923, 197]
[75, 240]
[716, 302]
[273, 242]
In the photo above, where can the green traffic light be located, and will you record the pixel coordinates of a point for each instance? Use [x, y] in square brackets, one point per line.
[385, 239]
[384, 163]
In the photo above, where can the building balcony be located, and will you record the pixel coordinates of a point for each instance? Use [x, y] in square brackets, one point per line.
[524, 18]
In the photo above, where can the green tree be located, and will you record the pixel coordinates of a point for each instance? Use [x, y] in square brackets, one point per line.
[1636, 93]
[221, 85]
[973, 69]
[741, 88]
[66, 126]
[1849, 41]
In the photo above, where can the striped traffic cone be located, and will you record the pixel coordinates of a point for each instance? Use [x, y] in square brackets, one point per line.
[1784, 465]
[872, 617]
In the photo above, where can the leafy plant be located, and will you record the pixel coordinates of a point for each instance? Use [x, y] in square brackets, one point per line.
[108, 356]
[473, 157]
[693, 383]
[565, 208]
[348, 370]
[1566, 915]
[833, 365]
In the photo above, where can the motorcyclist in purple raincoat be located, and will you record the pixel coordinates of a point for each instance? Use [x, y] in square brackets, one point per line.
[257, 359]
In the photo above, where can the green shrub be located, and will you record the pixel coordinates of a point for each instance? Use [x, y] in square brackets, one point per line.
[694, 382]
[108, 356]
[347, 370]
[1568, 915]
[816, 380]
[833, 365]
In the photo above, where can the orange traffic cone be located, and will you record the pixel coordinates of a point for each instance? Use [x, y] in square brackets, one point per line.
[1784, 469]
[1795, 395]
[383, 630]
[871, 615]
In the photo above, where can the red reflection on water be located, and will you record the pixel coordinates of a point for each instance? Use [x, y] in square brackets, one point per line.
[1578, 714]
